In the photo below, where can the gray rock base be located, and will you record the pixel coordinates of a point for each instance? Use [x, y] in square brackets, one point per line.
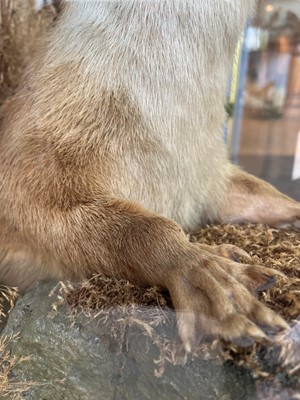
[79, 359]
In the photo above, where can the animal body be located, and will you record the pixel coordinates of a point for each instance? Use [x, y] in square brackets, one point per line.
[113, 148]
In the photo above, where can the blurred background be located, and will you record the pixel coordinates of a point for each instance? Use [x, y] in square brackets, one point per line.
[263, 130]
[263, 125]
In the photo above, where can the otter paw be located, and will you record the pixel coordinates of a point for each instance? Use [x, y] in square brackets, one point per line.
[211, 296]
[230, 251]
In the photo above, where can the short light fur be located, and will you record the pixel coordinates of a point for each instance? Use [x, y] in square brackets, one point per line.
[113, 147]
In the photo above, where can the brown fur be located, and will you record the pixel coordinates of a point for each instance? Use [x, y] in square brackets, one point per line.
[252, 200]
[93, 177]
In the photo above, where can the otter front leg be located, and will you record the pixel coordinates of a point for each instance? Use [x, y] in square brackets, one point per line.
[251, 200]
[211, 294]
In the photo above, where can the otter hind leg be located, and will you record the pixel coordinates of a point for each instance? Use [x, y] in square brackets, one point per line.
[251, 200]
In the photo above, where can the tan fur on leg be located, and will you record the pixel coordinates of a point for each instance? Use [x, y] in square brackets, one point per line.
[252, 200]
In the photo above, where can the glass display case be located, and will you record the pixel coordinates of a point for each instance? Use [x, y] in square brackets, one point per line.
[264, 131]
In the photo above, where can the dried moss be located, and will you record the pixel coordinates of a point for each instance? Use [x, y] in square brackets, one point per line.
[8, 297]
[8, 389]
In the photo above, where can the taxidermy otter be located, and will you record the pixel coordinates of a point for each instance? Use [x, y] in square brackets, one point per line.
[113, 148]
